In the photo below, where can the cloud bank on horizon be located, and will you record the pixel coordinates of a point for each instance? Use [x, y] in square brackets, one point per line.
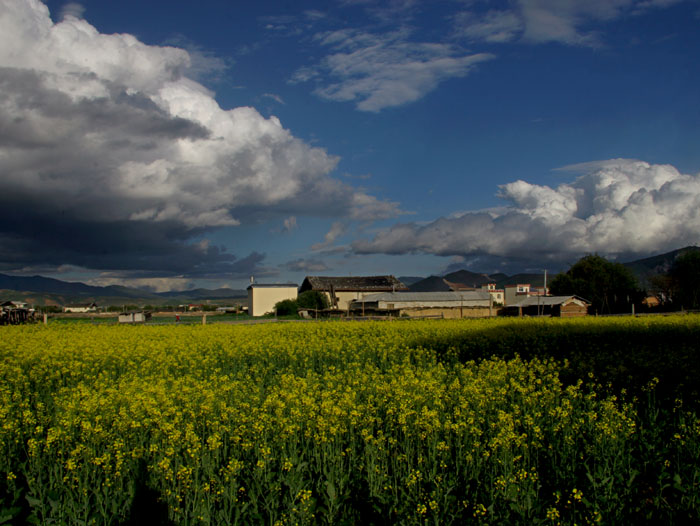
[618, 207]
[112, 158]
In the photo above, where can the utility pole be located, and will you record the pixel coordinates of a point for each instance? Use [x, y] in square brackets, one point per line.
[545, 282]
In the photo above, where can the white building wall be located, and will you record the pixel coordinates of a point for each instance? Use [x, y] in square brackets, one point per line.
[346, 297]
[262, 300]
[77, 309]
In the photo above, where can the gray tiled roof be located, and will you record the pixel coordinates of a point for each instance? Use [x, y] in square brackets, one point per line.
[546, 300]
[352, 283]
[467, 295]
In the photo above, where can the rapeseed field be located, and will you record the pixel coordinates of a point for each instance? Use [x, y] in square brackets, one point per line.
[422, 422]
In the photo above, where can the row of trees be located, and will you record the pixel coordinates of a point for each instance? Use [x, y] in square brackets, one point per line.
[613, 288]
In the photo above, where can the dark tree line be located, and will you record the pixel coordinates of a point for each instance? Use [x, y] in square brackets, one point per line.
[610, 287]
[613, 288]
[684, 281]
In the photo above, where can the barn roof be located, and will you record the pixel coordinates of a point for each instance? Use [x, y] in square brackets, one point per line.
[458, 286]
[549, 300]
[352, 283]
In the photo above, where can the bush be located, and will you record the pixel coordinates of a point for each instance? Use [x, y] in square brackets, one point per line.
[312, 299]
[286, 307]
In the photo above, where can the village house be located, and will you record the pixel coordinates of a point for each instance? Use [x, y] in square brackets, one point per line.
[341, 291]
[497, 295]
[262, 298]
[555, 306]
[453, 304]
[515, 293]
[80, 307]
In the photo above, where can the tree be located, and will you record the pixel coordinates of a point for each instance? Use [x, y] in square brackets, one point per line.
[286, 307]
[685, 280]
[312, 299]
[610, 287]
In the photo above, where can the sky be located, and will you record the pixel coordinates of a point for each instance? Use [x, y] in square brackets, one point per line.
[172, 145]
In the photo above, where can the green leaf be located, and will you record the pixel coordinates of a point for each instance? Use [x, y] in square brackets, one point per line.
[330, 490]
[6, 514]
[33, 502]
[677, 482]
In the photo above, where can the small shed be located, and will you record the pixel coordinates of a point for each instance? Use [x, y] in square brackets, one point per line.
[341, 291]
[554, 306]
[12, 314]
[134, 317]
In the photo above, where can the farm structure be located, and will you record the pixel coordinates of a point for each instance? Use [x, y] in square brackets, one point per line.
[263, 297]
[465, 304]
[555, 306]
[134, 317]
[342, 291]
[15, 312]
[80, 307]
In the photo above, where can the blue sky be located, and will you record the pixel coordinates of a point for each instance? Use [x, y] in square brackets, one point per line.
[168, 144]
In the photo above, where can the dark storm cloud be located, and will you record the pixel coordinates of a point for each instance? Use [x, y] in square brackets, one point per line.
[112, 159]
[162, 248]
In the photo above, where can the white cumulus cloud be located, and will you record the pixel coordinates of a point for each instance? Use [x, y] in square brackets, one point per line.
[617, 207]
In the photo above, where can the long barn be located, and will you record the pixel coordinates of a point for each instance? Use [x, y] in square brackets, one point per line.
[341, 291]
[452, 304]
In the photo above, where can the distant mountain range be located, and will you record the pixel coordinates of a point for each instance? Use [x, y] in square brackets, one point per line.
[466, 278]
[643, 269]
[39, 290]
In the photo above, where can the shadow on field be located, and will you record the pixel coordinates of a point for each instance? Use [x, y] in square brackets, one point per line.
[620, 355]
[146, 509]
